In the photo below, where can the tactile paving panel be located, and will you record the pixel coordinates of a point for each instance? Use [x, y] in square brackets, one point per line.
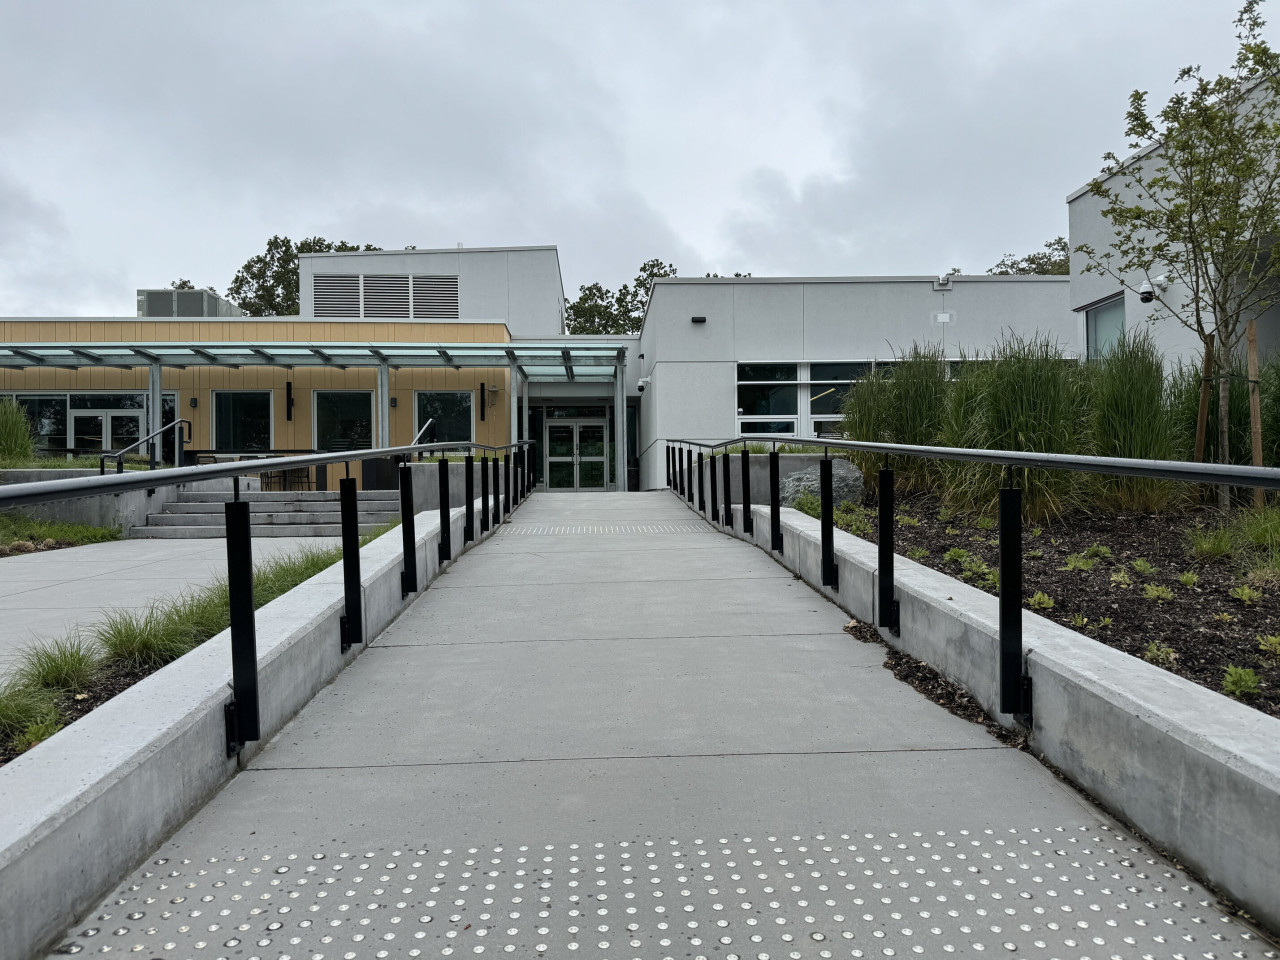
[1055, 892]
[568, 529]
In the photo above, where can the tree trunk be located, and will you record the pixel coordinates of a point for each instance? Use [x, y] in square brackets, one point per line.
[1224, 430]
[1255, 409]
[1202, 415]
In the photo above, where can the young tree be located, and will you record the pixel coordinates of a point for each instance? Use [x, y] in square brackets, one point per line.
[1196, 209]
[267, 284]
[1053, 260]
[599, 310]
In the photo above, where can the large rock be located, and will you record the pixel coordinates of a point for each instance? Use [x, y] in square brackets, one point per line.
[846, 483]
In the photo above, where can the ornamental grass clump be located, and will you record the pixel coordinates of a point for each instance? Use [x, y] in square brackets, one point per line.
[16, 445]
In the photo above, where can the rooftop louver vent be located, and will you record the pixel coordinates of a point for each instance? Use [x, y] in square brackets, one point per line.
[386, 296]
[337, 295]
[435, 298]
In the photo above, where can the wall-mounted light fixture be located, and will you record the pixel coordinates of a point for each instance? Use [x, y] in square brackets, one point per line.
[392, 401]
[483, 404]
[288, 400]
[699, 319]
[194, 403]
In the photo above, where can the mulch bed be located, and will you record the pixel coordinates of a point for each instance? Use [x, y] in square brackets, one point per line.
[1205, 627]
[20, 547]
[72, 706]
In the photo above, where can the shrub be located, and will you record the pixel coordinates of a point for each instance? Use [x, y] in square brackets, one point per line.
[1240, 682]
[809, 503]
[16, 445]
[1185, 402]
[1129, 416]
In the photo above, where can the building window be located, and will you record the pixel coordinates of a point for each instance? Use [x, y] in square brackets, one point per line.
[1104, 325]
[242, 420]
[829, 385]
[48, 418]
[451, 411]
[92, 422]
[768, 397]
[343, 420]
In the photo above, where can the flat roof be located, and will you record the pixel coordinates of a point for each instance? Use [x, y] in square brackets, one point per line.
[383, 253]
[962, 278]
[536, 360]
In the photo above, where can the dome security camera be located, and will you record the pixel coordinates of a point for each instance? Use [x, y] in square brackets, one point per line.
[643, 382]
[1147, 291]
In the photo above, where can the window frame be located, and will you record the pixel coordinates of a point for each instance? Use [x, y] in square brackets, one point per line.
[417, 425]
[213, 413]
[315, 415]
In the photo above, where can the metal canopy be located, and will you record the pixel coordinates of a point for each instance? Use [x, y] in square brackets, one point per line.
[535, 361]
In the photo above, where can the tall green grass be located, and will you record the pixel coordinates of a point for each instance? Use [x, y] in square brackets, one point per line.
[16, 445]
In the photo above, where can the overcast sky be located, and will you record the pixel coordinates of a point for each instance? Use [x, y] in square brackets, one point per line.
[142, 142]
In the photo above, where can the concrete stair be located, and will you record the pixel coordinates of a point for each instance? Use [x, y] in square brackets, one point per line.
[295, 513]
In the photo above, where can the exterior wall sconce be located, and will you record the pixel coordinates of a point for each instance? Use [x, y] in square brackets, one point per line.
[194, 403]
[699, 319]
[392, 401]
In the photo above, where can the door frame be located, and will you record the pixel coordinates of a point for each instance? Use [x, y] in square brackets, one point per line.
[576, 423]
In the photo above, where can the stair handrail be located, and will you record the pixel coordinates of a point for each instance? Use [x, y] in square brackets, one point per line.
[177, 444]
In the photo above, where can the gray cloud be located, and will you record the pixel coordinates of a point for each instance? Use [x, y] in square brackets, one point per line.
[145, 141]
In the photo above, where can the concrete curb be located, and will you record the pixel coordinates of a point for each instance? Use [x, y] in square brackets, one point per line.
[1192, 769]
[82, 809]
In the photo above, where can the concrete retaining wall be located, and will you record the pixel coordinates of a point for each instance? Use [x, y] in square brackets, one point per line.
[125, 510]
[1193, 770]
[82, 809]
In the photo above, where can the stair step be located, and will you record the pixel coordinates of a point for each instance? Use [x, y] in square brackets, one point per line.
[304, 506]
[265, 519]
[282, 496]
[266, 530]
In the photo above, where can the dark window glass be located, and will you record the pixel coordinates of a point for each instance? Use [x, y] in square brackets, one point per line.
[839, 371]
[576, 413]
[765, 372]
[761, 400]
[108, 401]
[48, 417]
[242, 421]
[344, 420]
[451, 412]
[827, 428]
[768, 426]
[827, 398]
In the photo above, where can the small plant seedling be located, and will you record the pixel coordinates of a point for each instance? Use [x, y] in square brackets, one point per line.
[1098, 552]
[917, 553]
[1270, 645]
[1053, 542]
[1143, 567]
[1105, 622]
[1159, 655]
[1036, 531]
[945, 514]
[992, 579]
[1157, 592]
[1078, 561]
[1079, 620]
[952, 532]
[1121, 579]
[907, 520]
[1246, 594]
[1035, 554]
[977, 538]
[974, 567]
[956, 555]
[1240, 682]
[1222, 617]
[1040, 601]
[1189, 579]
[985, 523]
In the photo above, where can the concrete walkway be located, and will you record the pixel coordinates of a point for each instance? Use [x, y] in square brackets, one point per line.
[45, 595]
[612, 732]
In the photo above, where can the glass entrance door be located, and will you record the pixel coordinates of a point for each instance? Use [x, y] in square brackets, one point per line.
[125, 430]
[86, 432]
[577, 455]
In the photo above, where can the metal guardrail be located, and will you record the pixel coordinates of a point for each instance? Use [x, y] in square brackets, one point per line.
[241, 712]
[152, 457]
[1015, 685]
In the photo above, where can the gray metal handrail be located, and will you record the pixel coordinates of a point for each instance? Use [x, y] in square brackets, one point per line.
[177, 444]
[45, 491]
[1234, 474]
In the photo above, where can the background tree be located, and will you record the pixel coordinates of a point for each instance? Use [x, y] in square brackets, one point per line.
[184, 284]
[1199, 204]
[1053, 260]
[601, 311]
[267, 284]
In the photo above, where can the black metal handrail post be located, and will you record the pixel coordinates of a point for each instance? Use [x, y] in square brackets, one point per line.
[679, 470]
[506, 484]
[830, 573]
[668, 452]
[702, 490]
[241, 712]
[484, 494]
[1015, 686]
[888, 606]
[408, 537]
[497, 498]
[444, 548]
[469, 492]
[728, 491]
[351, 625]
[714, 516]
[775, 504]
[748, 521]
[689, 465]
